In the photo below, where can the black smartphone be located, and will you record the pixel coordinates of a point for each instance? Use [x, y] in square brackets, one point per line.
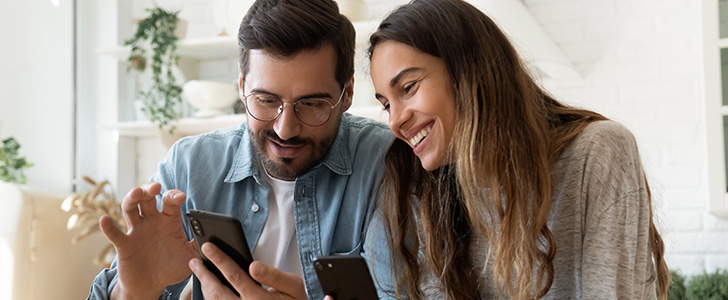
[226, 233]
[345, 277]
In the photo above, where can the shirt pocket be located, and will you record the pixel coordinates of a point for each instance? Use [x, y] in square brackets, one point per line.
[344, 250]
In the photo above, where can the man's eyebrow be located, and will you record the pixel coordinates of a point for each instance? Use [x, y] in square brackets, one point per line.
[262, 91]
[399, 75]
[307, 96]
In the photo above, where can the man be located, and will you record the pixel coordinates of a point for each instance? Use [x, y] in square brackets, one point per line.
[300, 175]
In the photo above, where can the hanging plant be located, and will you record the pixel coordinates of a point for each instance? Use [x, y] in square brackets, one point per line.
[12, 167]
[157, 32]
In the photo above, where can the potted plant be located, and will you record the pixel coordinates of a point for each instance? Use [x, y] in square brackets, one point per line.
[708, 286]
[12, 167]
[157, 33]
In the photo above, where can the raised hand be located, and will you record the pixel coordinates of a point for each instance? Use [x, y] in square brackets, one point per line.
[154, 251]
[281, 285]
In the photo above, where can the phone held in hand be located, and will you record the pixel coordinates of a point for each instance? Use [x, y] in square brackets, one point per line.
[345, 277]
[226, 233]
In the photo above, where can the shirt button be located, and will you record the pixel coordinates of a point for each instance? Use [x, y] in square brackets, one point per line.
[255, 207]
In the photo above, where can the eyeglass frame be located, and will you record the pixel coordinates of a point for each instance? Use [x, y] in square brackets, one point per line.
[284, 103]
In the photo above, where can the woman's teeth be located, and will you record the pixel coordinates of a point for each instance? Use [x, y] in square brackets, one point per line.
[414, 141]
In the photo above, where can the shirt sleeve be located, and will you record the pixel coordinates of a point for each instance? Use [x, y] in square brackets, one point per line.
[376, 253]
[106, 280]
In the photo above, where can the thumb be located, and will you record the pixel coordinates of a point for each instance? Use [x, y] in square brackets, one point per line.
[287, 283]
[114, 234]
[261, 272]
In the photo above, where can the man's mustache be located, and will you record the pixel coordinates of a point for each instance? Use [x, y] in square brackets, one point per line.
[296, 141]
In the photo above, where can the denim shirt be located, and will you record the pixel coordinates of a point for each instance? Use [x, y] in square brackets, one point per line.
[333, 202]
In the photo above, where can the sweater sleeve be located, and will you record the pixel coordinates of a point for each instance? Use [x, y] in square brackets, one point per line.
[617, 260]
[617, 256]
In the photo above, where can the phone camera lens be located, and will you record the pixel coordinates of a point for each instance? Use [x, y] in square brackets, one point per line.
[319, 266]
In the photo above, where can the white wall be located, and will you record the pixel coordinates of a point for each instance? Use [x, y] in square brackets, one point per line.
[642, 65]
[36, 100]
[640, 59]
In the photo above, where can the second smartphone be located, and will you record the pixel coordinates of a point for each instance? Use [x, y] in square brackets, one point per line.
[345, 277]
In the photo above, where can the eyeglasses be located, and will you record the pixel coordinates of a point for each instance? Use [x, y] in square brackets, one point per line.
[311, 111]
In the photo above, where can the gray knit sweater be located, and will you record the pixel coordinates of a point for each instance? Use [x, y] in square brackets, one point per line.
[599, 219]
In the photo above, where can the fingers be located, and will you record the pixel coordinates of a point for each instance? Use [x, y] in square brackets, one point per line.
[212, 288]
[229, 268]
[286, 283]
[148, 200]
[171, 202]
[130, 206]
[114, 234]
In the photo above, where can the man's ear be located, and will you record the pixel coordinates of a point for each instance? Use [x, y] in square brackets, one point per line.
[348, 95]
[240, 83]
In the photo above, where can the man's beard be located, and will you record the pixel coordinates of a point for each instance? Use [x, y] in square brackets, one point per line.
[286, 168]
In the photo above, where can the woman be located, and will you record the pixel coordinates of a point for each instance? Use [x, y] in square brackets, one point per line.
[493, 188]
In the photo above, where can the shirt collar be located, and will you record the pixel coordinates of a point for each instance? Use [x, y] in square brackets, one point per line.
[337, 159]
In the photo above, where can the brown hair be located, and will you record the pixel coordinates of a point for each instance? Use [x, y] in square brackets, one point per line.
[287, 27]
[509, 133]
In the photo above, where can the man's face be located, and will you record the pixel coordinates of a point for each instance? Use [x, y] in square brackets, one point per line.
[287, 146]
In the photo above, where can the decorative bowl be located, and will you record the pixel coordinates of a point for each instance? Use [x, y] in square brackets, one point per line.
[210, 98]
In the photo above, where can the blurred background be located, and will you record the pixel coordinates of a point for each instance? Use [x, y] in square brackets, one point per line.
[71, 106]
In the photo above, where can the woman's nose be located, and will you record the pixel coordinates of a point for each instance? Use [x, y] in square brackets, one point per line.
[398, 115]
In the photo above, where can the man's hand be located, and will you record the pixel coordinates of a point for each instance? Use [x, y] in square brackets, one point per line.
[281, 285]
[154, 251]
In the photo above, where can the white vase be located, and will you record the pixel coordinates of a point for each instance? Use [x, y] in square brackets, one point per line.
[210, 98]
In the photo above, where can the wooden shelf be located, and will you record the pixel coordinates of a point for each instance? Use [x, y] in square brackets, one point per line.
[184, 126]
[201, 48]
[224, 46]
[193, 126]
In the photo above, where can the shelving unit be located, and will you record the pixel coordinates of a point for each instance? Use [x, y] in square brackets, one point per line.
[226, 47]
[140, 145]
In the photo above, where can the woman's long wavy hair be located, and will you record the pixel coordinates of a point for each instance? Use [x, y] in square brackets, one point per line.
[508, 135]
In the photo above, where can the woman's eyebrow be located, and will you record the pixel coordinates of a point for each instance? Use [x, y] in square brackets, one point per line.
[401, 74]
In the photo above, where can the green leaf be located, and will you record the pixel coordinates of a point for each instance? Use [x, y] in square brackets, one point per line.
[157, 29]
[12, 166]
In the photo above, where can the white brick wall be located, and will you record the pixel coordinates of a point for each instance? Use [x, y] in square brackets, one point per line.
[642, 66]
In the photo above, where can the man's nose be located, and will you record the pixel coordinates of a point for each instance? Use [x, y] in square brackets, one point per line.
[287, 125]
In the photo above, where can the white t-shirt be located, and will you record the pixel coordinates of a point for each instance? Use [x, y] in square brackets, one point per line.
[277, 245]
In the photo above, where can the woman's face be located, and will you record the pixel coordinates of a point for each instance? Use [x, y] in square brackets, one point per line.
[415, 88]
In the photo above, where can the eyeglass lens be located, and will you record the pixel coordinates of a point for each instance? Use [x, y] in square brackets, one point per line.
[313, 112]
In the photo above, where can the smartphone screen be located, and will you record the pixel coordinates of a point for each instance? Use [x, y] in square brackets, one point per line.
[226, 233]
[345, 277]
